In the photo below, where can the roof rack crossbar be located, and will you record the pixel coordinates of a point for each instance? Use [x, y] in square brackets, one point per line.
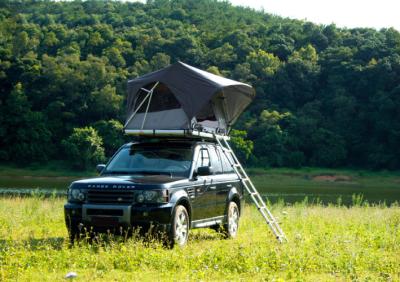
[182, 133]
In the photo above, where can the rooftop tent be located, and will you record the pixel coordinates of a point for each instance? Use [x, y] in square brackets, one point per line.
[183, 97]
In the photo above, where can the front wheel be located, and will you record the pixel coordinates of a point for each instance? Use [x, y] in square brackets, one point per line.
[232, 220]
[179, 227]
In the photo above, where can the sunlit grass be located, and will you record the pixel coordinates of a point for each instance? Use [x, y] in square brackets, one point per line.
[326, 243]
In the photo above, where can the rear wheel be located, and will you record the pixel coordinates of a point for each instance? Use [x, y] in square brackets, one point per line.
[232, 220]
[179, 227]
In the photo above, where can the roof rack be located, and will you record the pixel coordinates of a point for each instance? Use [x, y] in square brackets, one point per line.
[183, 133]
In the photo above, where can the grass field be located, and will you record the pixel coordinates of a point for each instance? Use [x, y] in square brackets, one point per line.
[326, 243]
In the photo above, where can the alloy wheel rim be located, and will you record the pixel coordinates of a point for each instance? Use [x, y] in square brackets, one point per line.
[181, 228]
[233, 220]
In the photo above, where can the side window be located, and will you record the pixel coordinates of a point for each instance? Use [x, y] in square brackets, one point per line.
[215, 160]
[226, 165]
[203, 158]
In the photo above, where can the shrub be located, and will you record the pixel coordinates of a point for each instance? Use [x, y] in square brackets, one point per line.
[84, 148]
[111, 132]
[241, 146]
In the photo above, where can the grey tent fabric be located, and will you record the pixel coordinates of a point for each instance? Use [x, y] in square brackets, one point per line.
[195, 90]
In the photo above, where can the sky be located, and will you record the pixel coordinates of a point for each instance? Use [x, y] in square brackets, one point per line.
[344, 13]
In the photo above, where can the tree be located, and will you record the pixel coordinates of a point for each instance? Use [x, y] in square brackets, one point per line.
[64, 65]
[84, 148]
[111, 132]
[159, 61]
[224, 55]
[329, 149]
[242, 146]
[262, 63]
[105, 102]
[269, 137]
[24, 134]
[115, 57]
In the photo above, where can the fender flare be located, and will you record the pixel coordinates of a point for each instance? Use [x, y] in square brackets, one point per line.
[181, 197]
[234, 193]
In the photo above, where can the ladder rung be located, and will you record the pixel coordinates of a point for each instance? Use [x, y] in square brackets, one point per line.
[248, 184]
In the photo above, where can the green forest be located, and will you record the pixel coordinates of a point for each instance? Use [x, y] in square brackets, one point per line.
[326, 96]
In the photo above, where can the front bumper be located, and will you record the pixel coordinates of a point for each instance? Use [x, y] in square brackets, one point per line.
[105, 217]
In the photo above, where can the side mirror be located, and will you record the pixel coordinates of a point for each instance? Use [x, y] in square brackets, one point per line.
[100, 168]
[204, 170]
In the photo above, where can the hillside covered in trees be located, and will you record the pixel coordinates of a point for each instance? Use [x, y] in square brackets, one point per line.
[325, 96]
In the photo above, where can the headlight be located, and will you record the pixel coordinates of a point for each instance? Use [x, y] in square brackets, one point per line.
[76, 195]
[152, 196]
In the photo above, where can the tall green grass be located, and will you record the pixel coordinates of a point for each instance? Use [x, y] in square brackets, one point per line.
[326, 243]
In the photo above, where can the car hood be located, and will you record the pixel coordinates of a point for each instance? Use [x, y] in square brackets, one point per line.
[125, 181]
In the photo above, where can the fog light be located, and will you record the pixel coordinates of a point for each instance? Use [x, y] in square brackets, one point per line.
[81, 196]
[140, 198]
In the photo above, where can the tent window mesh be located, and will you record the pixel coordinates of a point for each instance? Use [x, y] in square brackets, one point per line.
[163, 99]
[207, 113]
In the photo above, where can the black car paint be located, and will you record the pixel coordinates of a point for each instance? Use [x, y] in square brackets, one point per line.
[205, 197]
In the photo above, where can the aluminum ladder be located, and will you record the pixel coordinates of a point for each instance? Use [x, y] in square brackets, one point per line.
[251, 189]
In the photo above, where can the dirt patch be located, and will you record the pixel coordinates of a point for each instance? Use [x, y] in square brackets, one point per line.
[332, 178]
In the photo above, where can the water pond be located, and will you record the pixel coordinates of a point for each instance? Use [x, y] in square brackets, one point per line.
[275, 187]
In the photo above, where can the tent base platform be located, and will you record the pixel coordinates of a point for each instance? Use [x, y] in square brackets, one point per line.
[183, 133]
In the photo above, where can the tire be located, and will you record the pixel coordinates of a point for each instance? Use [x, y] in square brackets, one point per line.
[232, 220]
[73, 234]
[179, 232]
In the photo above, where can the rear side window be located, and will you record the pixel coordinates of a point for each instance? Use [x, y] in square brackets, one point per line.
[215, 160]
[226, 165]
[204, 158]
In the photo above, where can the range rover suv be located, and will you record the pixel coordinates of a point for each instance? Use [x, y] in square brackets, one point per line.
[169, 185]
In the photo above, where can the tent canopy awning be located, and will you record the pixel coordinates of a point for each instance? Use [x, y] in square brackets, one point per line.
[194, 90]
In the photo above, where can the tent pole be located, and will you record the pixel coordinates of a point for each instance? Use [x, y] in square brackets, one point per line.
[148, 103]
[149, 92]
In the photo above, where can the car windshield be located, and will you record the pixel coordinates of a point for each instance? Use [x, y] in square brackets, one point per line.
[153, 160]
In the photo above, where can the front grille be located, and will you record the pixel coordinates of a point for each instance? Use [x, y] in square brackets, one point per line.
[113, 196]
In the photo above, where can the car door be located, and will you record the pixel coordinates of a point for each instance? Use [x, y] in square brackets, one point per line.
[203, 204]
[219, 180]
[228, 180]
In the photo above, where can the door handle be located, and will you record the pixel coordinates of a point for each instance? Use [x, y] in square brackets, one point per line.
[213, 187]
[229, 185]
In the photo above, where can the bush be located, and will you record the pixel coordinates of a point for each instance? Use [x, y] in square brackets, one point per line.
[240, 145]
[111, 132]
[84, 148]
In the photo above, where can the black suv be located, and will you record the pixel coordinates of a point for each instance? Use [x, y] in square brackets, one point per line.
[171, 185]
